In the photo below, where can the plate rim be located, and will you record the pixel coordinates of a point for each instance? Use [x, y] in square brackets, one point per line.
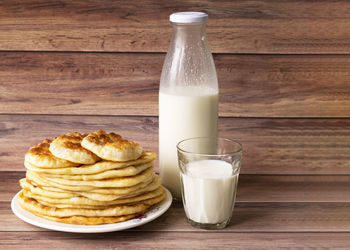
[152, 214]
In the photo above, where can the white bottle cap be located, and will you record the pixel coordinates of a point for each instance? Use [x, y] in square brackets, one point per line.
[188, 17]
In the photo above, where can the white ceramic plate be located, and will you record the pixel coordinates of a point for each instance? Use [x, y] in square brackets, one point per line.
[30, 218]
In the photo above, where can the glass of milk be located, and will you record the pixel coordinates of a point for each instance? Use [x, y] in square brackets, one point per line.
[209, 169]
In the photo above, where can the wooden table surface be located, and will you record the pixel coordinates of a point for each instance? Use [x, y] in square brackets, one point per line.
[283, 69]
[271, 211]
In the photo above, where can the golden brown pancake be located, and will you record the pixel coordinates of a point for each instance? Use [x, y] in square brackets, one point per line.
[61, 193]
[41, 157]
[79, 200]
[109, 174]
[69, 147]
[83, 220]
[67, 182]
[112, 146]
[98, 167]
[35, 189]
[34, 177]
[34, 206]
[107, 183]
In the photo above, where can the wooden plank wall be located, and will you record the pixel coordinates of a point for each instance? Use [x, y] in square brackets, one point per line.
[284, 75]
[283, 68]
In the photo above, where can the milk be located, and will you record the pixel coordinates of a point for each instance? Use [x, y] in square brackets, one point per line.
[209, 191]
[184, 112]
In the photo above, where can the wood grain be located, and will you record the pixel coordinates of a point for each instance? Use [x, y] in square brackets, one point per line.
[253, 217]
[282, 188]
[172, 240]
[128, 84]
[76, 83]
[271, 146]
[251, 188]
[10, 184]
[294, 185]
[234, 26]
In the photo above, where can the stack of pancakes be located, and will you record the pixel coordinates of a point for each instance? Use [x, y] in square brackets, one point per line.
[91, 179]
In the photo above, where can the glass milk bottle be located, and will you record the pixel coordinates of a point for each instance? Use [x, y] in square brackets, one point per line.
[188, 94]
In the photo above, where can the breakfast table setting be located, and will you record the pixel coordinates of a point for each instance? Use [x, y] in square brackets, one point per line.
[174, 125]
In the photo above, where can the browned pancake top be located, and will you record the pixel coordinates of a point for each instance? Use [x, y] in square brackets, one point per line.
[101, 138]
[41, 149]
[72, 141]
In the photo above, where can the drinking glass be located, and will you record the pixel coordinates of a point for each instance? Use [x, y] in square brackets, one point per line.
[209, 170]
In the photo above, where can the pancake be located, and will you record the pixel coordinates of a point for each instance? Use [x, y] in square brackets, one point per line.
[106, 183]
[59, 205]
[83, 220]
[122, 172]
[94, 168]
[69, 147]
[118, 210]
[78, 200]
[112, 146]
[61, 193]
[41, 157]
[33, 177]
[39, 191]
[156, 182]
[92, 179]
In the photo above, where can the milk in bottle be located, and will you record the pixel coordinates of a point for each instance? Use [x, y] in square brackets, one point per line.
[188, 95]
